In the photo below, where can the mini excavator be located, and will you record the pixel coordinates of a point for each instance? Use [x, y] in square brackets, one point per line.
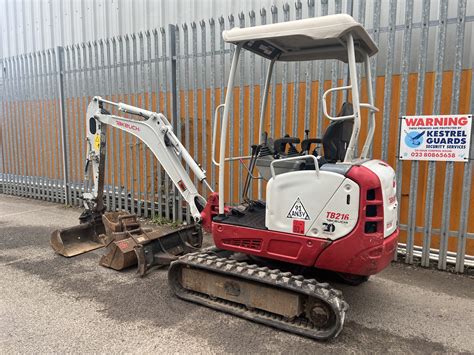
[333, 211]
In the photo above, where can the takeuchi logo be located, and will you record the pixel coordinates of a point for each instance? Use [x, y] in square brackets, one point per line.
[128, 126]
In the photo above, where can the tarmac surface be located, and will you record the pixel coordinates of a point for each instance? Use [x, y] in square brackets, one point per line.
[49, 303]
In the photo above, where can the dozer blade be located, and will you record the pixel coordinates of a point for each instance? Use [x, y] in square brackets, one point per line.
[78, 239]
[129, 244]
[161, 251]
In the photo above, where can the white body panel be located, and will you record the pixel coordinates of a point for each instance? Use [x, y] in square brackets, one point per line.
[340, 215]
[306, 197]
[389, 192]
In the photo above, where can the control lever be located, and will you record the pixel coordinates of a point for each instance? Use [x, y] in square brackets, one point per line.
[248, 179]
[306, 144]
[280, 144]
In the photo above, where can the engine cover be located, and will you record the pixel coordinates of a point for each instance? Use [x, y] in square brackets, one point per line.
[320, 204]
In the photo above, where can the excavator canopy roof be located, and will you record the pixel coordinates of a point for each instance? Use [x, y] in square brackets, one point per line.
[309, 39]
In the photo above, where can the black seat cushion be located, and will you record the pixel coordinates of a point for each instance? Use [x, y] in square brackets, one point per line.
[337, 135]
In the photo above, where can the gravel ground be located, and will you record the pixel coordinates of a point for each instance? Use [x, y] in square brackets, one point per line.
[52, 304]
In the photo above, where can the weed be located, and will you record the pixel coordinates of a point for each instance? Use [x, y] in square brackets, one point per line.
[160, 221]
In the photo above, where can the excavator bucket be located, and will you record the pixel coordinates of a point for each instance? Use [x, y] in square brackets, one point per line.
[119, 226]
[79, 239]
[129, 244]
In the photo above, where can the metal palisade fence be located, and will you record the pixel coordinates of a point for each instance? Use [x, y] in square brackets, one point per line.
[424, 67]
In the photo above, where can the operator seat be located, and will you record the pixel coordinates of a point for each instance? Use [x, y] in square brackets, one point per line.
[337, 135]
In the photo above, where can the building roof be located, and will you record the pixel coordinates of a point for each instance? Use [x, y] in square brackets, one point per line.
[308, 39]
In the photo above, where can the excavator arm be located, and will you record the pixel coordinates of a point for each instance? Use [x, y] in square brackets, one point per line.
[126, 241]
[155, 131]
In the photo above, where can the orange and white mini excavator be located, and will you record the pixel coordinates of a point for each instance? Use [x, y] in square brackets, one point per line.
[334, 211]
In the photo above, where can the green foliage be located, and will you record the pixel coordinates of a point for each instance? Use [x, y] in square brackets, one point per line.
[161, 221]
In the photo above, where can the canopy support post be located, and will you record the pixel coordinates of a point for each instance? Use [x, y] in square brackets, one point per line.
[350, 152]
[262, 114]
[370, 94]
[225, 121]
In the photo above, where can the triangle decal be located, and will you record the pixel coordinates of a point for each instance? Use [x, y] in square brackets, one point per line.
[298, 211]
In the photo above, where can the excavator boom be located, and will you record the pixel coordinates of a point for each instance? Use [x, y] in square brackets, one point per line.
[155, 131]
[127, 243]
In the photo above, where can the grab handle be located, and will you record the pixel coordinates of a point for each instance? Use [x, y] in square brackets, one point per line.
[214, 133]
[341, 118]
[325, 108]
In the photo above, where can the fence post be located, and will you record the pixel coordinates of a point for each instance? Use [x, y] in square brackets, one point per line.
[62, 117]
[2, 135]
[173, 85]
[174, 111]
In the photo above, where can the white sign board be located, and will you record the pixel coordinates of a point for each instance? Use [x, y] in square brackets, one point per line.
[440, 138]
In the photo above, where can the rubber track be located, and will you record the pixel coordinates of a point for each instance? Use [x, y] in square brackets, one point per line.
[209, 260]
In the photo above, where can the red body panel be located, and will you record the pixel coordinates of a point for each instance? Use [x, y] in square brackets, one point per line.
[368, 258]
[269, 244]
[210, 210]
[364, 251]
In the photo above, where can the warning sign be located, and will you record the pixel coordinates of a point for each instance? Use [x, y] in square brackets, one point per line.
[97, 141]
[440, 138]
[298, 211]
